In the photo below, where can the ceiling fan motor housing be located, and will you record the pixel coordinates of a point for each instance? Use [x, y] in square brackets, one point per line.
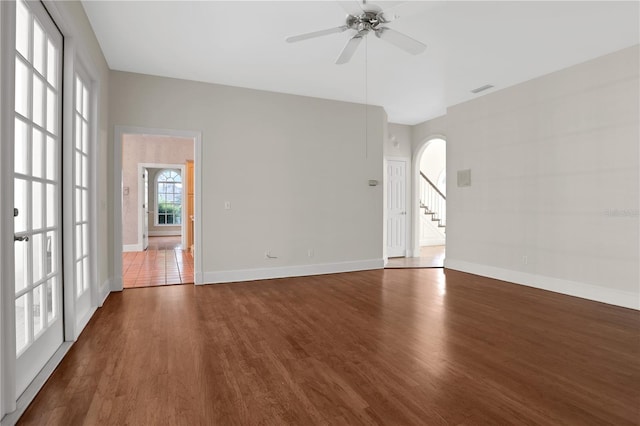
[368, 21]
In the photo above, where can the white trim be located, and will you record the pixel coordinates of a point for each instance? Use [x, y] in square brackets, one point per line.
[119, 131]
[105, 291]
[2, 219]
[131, 247]
[610, 296]
[139, 210]
[116, 283]
[82, 322]
[7, 306]
[216, 277]
[34, 387]
[164, 233]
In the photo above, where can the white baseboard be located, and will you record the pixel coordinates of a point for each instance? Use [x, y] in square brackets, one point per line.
[104, 292]
[625, 299]
[116, 284]
[131, 247]
[176, 233]
[82, 323]
[216, 277]
[432, 242]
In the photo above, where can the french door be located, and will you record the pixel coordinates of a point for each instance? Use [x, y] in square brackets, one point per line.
[79, 218]
[37, 191]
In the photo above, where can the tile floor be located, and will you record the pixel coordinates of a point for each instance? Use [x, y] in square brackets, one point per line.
[163, 263]
[430, 257]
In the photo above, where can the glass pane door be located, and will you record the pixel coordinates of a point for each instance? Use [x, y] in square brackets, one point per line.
[81, 203]
[37, 191]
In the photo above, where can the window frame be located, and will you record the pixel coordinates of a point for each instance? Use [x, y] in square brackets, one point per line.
[156, 215]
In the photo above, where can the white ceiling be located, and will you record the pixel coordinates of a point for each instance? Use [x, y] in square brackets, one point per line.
[470, 44]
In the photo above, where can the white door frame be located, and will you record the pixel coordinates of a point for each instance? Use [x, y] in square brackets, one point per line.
[183, 227]
[7, 319]
[408, 220]
[143, 208]
[119, 131]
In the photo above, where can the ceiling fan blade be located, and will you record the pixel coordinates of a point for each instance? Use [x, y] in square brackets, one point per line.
[352, 7]
[314, 34]
[400, 40]
[386, 17]
[350, 48]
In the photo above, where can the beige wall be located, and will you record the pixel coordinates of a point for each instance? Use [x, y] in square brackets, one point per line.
[138, 149]
[555, 181]
[295, 170]
[402, 135]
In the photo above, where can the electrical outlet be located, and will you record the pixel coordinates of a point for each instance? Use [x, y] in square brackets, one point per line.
[525, 260]
[310, 252]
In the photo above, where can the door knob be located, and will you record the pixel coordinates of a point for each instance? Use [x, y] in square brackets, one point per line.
[21, 238]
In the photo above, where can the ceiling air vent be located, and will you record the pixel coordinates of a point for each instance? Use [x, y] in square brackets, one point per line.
[482, 88]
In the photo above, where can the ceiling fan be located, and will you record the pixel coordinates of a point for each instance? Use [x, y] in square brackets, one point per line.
[365, 18]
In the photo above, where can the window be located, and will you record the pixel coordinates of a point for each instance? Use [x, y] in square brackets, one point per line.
[169, 198]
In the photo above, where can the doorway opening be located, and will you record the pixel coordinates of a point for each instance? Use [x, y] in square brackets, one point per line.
[157, 210]
[432, 202]
[429, 207]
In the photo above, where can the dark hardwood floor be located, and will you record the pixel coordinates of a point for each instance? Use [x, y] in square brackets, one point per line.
[392, 347]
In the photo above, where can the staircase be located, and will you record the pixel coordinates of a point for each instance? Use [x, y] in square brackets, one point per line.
[433, 203]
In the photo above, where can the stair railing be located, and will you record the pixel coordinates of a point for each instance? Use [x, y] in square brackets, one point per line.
[433, 200]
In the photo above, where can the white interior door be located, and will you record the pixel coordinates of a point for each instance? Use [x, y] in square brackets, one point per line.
[396, 208]
[37, 191]
[145, 208]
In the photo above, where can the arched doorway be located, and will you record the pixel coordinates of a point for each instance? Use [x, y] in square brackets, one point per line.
[429, 201]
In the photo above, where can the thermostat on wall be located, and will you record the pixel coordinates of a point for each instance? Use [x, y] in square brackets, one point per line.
[464, 177]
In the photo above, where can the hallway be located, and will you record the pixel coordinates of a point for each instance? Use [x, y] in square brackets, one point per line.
[163, 263]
